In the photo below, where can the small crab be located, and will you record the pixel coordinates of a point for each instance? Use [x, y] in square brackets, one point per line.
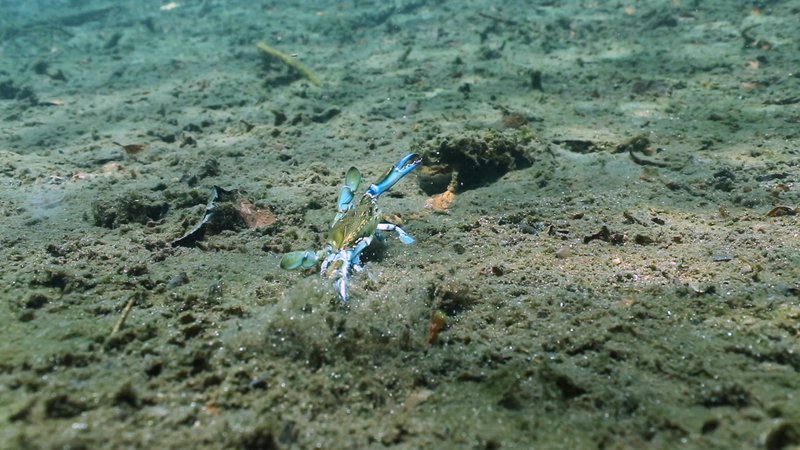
[354, 227]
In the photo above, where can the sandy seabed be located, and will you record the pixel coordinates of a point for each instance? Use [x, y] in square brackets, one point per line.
[634, 286]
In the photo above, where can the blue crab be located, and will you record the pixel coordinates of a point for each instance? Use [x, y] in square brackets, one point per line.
[354, 227]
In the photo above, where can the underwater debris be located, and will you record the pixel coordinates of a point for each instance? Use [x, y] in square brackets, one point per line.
[581, 146]
[535, 79]
[53, 102]
[404, 56]
[454, 298]
[123, 315]
[640, 144]
[131, 149]
[255, 218]
[291, 62]
[605, 235]
[782, 211]
[226, 210]
[441, 202]
[438, 322]
[113, 41]
[752, 41]
[513, 119]
[416, 397]
[503, 20]
[646, 162]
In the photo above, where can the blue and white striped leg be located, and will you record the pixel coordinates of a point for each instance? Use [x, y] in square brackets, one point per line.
[350, 259]
[404, 237]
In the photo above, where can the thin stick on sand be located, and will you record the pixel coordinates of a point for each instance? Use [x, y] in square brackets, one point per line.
[291, 62]
[123, 315]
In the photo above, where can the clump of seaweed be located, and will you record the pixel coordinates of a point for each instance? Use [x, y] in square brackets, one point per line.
[293, 63]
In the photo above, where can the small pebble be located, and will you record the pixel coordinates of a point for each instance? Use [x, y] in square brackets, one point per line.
[178, 280]
[564, 252]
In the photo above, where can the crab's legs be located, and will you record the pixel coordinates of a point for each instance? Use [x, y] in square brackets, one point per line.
[404, 237]
[338, 265]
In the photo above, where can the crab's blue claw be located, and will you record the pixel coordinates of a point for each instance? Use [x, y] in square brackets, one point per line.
[395, 173]
[351, 182]
[296, 260]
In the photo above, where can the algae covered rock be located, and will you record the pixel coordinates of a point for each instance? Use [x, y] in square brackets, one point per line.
[130, 207]
[471, 159]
